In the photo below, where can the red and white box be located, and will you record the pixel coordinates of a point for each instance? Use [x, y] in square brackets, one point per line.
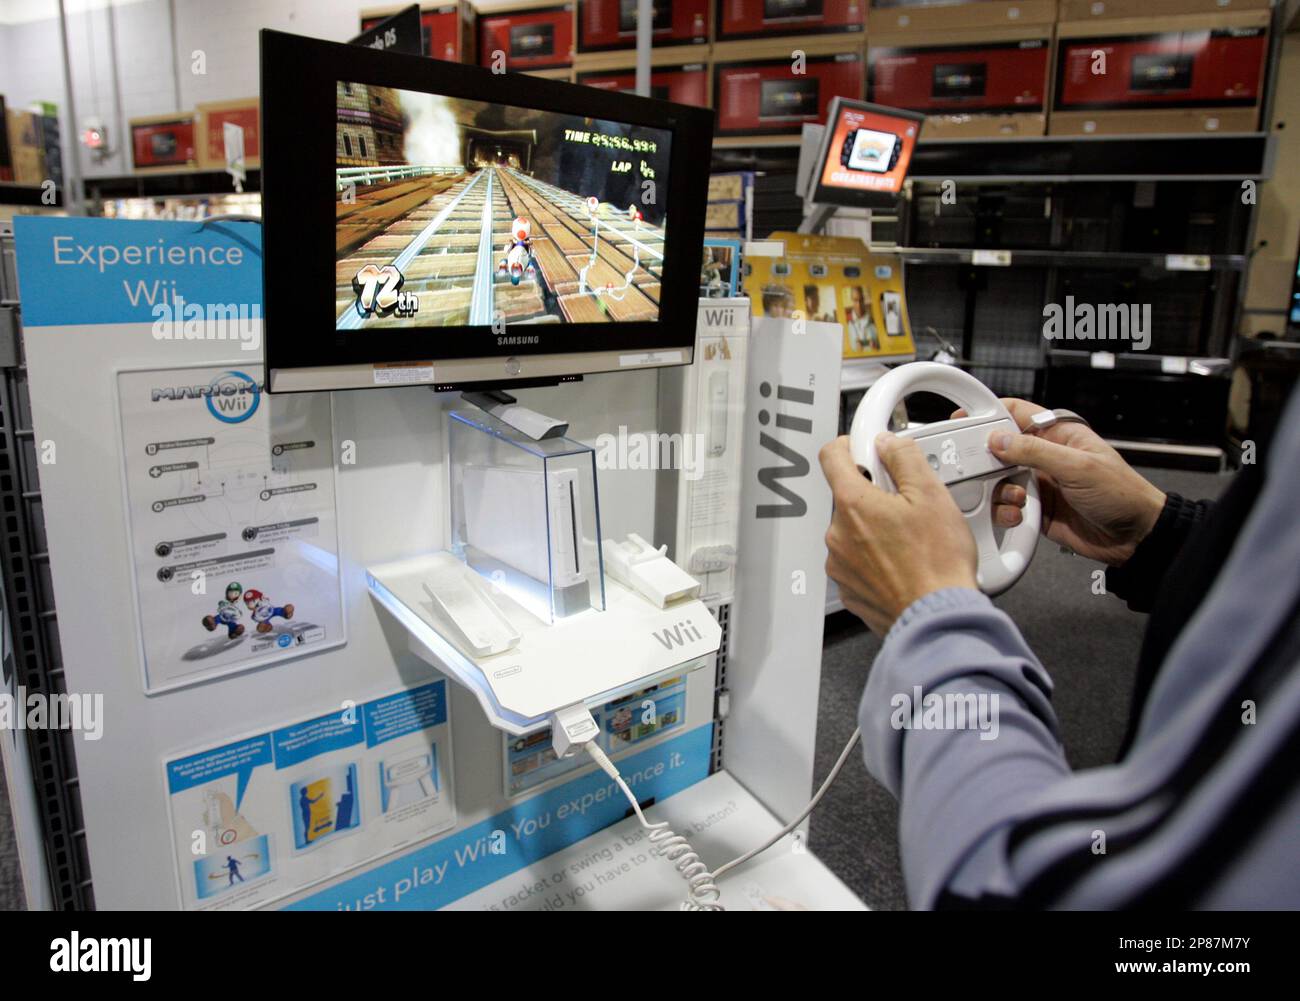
[770, 97]
[685, 84]
[973, 84]
[210, 132]
[530, 38]
[604, 25]
[1199, 73]
[737, 19]
[163, 142]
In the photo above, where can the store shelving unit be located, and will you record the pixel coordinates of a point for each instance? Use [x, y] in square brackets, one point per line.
[29, 615]
[1213, 156]
[176, 183]
[27, 195]
[1040, 218]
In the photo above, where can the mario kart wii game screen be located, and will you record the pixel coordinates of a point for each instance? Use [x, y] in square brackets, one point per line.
[451, 212]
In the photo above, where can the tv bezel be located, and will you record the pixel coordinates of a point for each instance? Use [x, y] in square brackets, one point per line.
[824, 194]
[299, 79]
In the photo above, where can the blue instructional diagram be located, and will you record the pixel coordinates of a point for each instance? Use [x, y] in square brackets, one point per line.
[270, 814]
[530, 760]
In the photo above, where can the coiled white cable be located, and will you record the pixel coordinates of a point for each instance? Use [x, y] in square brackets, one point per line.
[703, 891]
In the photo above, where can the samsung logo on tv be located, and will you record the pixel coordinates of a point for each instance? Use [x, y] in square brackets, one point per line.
[531, 339]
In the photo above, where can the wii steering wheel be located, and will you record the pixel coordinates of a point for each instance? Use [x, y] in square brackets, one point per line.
[957, 450]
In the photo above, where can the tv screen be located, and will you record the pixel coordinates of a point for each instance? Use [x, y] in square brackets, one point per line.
[475, 227]
[482, 209]
[865, 152]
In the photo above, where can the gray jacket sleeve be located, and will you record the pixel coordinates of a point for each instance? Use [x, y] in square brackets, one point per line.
[957, 706]
[1203, 810]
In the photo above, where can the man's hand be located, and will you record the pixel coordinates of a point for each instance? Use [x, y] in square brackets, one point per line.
[1093, 501]
[887, 550]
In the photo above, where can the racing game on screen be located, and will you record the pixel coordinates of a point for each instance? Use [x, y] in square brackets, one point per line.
[452, 212]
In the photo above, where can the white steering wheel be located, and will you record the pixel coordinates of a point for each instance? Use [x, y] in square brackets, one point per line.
[957, 450]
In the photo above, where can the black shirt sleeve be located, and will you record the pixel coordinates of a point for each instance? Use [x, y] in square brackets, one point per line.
[1174, 568]
[1138, 580]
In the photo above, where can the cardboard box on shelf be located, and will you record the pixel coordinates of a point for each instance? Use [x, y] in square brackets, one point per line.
[564, 74]
[1162, 121]
[6, 157]
[1084, 10]
[732, 187]
[1197, 73]
[162, 142]
[970, 84]
[210, 132]
[684, 83]
[26, 147]
[724, 216]
[760, 89]
[939, 128]
[944, 15]
[611, 24]
[625, 59]
[531, 36]
[730, 210]
[745, 19]
[448, 29]
[53, 148]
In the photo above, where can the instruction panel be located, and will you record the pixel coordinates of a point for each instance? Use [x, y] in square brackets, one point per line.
[261, 817]
[233, 522]
[627, 722]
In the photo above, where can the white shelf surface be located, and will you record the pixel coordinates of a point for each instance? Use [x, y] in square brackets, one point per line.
[591, 657]
[722, 821]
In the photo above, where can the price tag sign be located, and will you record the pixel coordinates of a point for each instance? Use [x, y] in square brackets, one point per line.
[1187, 262]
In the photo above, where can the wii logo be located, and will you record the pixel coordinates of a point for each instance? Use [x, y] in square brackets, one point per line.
[679, 635]
[796, 464]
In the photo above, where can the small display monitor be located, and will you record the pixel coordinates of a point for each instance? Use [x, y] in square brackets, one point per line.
[428, 222]
[864, 154]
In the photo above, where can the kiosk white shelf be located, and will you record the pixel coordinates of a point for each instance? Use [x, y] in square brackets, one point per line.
[591, 657]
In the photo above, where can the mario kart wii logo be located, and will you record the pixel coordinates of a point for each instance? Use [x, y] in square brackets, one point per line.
[232, 397]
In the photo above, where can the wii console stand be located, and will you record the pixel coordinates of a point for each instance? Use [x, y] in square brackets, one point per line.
[590, 657]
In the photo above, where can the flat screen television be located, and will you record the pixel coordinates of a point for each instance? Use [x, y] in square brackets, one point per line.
[865, 152]
[477, 228]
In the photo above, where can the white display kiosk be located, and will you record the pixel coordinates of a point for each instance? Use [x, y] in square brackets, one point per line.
[256, 729]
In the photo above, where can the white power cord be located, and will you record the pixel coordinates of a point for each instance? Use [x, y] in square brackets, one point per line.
[702, 885]
[703, 893]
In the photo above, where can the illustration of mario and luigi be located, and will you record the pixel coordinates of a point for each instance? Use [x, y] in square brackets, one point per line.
[259, 606]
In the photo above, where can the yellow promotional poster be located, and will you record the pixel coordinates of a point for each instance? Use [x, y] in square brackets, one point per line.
[835, 279]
